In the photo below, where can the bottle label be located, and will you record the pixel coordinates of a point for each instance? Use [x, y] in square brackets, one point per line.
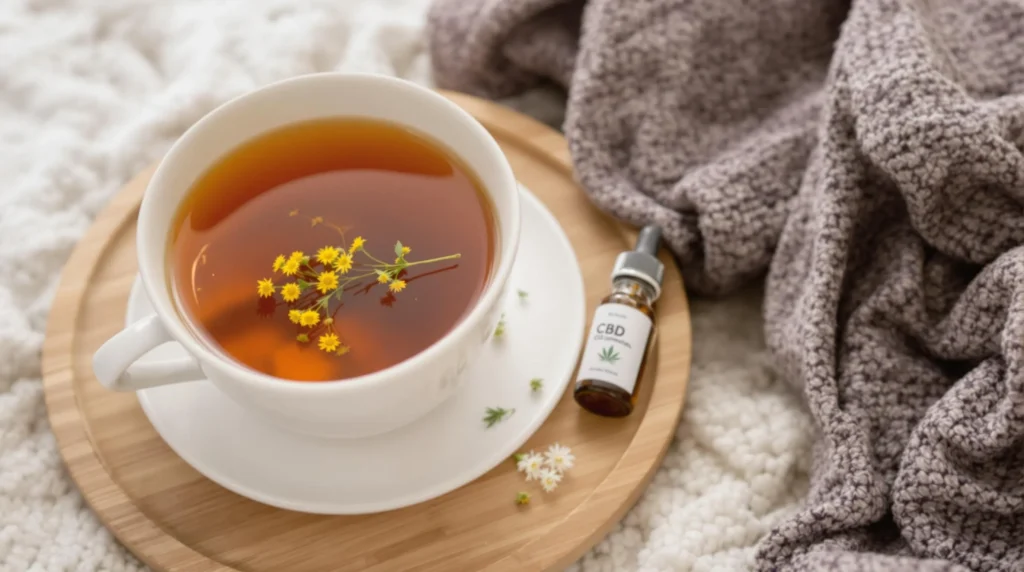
[615, 346]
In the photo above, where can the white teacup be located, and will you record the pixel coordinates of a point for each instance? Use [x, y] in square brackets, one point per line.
[356, 407]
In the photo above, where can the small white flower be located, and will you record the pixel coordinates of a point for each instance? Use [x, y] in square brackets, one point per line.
[549, 480]
[531, 464]
[560, 458]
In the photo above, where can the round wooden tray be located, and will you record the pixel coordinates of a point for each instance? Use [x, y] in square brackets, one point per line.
[173, 518]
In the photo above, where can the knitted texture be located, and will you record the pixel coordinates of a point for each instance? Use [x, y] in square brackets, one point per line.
[867, 159]
[93, 91]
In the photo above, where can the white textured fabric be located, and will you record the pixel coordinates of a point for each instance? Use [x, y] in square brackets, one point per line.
[93, 91]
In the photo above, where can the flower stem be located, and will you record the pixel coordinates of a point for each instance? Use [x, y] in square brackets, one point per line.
[374, 258]
[449, 257]
[350, 279]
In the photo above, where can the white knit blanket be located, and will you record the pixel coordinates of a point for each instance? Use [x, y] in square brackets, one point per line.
[92, 91]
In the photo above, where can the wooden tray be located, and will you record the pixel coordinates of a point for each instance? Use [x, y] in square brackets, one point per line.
[173, 518]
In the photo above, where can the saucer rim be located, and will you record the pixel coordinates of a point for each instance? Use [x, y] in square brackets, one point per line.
[513, 442]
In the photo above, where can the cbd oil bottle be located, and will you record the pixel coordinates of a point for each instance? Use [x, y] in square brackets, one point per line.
[622, 331]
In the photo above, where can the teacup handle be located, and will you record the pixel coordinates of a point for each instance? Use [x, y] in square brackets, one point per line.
[113, 361]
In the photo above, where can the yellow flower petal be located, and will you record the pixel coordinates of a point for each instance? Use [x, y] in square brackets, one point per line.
[290, 292]
[357, 244]
[343, 263]
[294, 316]
[309, 318]
[327, 254]
[279, 262]
[406, 250]
[297, 256]
[383, 278]
[397, 286]
[265, 287]
[290, 268]
[327, 282]
[342, 350]
[329, 342]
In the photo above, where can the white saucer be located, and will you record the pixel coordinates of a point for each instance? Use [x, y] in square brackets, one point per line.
[448, 448]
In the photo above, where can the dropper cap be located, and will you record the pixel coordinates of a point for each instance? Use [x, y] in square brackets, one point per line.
[642, 262]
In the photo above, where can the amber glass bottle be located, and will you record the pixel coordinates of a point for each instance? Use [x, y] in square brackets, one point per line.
[622, 331]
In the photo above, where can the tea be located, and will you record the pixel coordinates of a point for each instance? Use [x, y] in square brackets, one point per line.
[331, 248]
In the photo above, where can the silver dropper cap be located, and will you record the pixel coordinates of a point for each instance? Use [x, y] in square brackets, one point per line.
[642, 262]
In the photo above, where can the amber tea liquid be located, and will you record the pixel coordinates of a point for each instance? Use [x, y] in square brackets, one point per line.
[323, 182]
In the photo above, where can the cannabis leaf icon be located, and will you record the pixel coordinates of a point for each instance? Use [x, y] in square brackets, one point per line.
[609, 355]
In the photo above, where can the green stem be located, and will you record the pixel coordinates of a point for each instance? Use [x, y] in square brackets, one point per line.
[323, 302]
[349, 279]
[449, 257]
[374, 258]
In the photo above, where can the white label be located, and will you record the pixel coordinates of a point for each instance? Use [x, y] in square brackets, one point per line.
[615, 346]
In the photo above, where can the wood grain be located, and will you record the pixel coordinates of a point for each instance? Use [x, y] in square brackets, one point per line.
[173, 518]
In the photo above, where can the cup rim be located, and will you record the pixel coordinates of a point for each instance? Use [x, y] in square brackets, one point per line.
[167, 310]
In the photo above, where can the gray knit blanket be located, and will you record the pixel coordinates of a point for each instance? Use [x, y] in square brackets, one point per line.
[864, 159]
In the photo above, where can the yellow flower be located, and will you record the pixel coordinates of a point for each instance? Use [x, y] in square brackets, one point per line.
[357, 244]
[297, 256]
[343, 263]
[406, 250]
[342, 350]
[290, 268]
[383, 278]
[329, 342]
[327, 282]
[397, 286]
[290, 292]
[327, 254]
[294, 316]
[309, 318]
[278, 263]
[265, 288]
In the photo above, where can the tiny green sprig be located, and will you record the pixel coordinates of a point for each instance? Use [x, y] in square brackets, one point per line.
[499, 330]
[494, 415]
[536, 384]
[522, 498]
[523, 294]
